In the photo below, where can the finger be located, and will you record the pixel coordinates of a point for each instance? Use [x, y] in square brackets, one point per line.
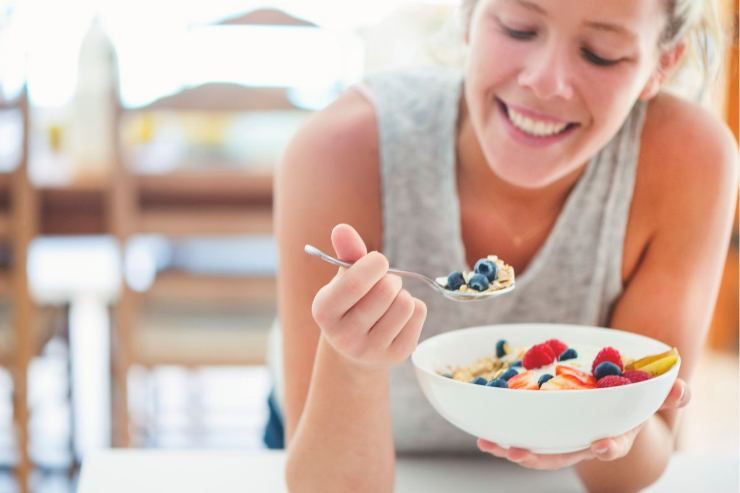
[371, 308]
[347, 243]
[555, 461]
[349, 287]
[491, 448]
[526, 458]
[393, 320]
[515, 454]
[615, 447]
[678, 397]
[604, 449]
[407, 338]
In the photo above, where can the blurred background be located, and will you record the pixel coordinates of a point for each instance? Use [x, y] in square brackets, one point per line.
[137, 263]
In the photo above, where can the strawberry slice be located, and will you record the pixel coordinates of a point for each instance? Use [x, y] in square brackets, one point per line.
[585, 379]
[566, 382]
[525, 380]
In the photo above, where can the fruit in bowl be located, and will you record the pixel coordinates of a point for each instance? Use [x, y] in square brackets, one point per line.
[504, 383]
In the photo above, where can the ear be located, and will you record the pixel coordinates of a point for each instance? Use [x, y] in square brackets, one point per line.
[668, 60]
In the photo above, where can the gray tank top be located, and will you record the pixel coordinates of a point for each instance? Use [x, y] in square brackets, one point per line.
[417, 114]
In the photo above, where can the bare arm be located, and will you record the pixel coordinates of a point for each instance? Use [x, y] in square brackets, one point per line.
[337, 411]
[671, 294]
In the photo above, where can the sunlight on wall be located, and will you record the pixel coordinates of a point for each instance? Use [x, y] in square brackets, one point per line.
[160, 48]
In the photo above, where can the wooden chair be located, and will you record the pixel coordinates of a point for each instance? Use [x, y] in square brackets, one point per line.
[179, 204]
[18, 226]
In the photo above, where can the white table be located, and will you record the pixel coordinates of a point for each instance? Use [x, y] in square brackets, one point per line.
[141, 471]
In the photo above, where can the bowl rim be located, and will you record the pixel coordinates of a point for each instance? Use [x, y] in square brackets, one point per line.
[674, 369]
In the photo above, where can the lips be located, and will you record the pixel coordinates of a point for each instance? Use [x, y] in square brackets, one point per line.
[533, 125]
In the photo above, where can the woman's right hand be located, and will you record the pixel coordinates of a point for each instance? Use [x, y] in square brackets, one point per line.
[363, 312]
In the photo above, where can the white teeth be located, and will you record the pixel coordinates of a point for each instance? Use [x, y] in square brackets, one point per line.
[536, 128]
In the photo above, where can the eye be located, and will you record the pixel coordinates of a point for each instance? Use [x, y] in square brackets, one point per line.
[595, 59]
[515, 33]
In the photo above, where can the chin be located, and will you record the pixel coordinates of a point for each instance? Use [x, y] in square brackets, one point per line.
[526, 176]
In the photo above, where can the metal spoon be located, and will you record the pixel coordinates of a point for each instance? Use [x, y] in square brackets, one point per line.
[438, 285]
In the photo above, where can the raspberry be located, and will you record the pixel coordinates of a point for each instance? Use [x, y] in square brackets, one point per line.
[537, 356]
[612, 381]
[635, 376]
[608, 354]
[557, 347]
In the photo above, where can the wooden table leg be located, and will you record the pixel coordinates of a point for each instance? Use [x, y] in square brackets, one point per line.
[124, 317]
[24, 205]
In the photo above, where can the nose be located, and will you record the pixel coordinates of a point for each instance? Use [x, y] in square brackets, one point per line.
[547, 75]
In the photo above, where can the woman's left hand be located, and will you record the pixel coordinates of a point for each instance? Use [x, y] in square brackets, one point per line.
[605, 449]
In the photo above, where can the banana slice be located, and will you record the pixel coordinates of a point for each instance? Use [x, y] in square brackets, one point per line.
[656, 364]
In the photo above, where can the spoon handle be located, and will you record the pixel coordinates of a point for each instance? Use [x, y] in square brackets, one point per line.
[312, 250]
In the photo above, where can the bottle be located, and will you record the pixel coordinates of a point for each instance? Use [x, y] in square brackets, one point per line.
[92, 123]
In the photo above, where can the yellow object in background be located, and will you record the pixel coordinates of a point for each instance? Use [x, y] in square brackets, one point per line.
[206, 129]
[143, 129]
[55, 135]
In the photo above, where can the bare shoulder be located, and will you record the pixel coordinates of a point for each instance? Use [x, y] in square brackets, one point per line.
[688, 157]
[346, 129]
[331, 168]
[686, 180]
[680, 222]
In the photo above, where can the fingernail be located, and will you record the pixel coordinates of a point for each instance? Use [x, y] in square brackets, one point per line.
[602, 449]
[682, 395]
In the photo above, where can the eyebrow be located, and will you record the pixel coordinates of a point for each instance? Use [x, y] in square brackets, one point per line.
[598, 26]
[531, 6]
[614, 28]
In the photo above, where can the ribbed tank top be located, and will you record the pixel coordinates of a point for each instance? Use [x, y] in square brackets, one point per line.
[575, 277]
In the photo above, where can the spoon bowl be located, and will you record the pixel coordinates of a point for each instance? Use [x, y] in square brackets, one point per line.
[437, 284]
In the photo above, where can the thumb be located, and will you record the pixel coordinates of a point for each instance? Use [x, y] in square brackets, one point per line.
[679, 396]
[347, 243]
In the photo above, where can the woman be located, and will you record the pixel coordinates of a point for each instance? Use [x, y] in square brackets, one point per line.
[555, 150]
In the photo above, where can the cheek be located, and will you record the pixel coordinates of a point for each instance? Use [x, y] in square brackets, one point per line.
[494, 57]
[608, 94]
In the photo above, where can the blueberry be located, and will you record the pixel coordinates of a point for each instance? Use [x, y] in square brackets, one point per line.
[455, 280]
[516, 363]
[479, 381]
[569, 353]
[478, 282]
[502, 347]
[606, 368]
[487, 268]
[511, 372]
[544, 378]
[499, 382]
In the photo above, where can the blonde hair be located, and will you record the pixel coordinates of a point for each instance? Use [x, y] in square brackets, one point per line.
[696, 23]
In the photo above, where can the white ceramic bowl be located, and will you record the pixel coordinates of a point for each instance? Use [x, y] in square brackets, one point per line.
[554, 421]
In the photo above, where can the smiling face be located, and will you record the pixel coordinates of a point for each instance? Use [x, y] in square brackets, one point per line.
[549, 83]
